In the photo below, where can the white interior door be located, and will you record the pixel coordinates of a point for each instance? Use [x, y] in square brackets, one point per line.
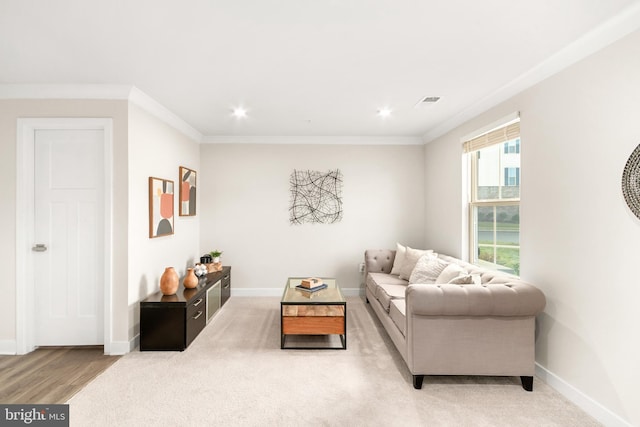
[69, 226]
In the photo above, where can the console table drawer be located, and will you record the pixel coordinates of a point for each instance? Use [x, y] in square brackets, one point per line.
[225, 289]
[200, 304]
[196, 322]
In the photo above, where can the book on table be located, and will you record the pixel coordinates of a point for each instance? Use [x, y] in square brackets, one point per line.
[314, 289]
[311, 282]
[309, 294]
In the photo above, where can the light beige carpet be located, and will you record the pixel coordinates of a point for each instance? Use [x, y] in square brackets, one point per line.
[235, 374]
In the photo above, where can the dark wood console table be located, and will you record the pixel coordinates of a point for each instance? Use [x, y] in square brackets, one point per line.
[172, 322]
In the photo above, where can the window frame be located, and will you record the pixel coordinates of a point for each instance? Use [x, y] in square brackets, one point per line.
[474, 204]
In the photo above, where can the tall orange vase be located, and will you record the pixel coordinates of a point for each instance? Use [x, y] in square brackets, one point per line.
[169, 281]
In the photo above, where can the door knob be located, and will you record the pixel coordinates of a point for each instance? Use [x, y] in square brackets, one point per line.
[39, 247]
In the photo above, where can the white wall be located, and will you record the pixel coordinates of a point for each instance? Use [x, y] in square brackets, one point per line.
[143, 146]
[246, 202]
[580, 243]
[156, 149]
[10, 111]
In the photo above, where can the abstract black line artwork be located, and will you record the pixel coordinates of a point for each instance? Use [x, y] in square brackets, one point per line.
[316, 197]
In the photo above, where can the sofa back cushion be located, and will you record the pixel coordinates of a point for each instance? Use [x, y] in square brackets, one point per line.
[411, 258]
[451, 271]
[398, 261]
[427, 269]
[487, 276]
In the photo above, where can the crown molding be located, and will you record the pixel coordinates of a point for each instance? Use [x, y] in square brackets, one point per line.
[100, 91]
[153, 107]
[313, 140]
[64, 91]
[601, 36]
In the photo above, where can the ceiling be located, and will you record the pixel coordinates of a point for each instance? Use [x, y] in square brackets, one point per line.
[299, 67]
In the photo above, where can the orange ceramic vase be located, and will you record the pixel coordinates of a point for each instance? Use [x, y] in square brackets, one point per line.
[169, 281]
[190, 280]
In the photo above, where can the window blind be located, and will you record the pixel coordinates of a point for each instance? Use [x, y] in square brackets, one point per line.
[498, 136]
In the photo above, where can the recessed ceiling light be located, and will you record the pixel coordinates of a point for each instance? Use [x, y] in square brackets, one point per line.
[384, 112]
[239, 112]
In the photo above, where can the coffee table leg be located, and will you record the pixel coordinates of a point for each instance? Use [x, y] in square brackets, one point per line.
[344, 340]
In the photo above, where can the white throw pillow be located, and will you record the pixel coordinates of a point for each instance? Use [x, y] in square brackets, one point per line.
[450, 272]
[411, 258]
[399, 259]
[427, 269]
[464, 279]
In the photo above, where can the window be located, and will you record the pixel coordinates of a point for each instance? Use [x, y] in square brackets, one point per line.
[511, 177]
[512, 147]
[494, 206]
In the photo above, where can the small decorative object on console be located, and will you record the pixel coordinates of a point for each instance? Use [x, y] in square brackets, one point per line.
[200, 270]
[190, 280]
[217, 265]
[169, 281]
[215, 255]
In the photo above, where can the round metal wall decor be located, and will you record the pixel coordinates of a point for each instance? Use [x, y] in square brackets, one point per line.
[631, 182]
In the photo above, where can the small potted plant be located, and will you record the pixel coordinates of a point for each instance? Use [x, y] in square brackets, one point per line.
[216, 256]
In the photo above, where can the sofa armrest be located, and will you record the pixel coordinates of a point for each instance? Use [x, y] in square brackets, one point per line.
[378, 261]
[509, 299]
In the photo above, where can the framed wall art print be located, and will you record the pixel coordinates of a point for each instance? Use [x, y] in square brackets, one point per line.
[160, 207]
[187, 192]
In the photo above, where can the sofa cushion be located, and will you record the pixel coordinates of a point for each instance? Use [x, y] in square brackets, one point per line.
[463, 279]
[411, 258]
[450, 271]
[427, 269]
[399, 259]
[487, 276]
[387, 292]
[396, 287]
[397, 312]
[375, 279]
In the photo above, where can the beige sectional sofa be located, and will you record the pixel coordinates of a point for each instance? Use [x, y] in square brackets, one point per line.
[485, 326]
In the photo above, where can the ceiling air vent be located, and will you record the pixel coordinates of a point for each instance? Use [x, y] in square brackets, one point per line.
[429, 99]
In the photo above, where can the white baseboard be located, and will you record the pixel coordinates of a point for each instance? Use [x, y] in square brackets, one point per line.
[277, 292]
[119, 348]
[584, 402]
[8, 347]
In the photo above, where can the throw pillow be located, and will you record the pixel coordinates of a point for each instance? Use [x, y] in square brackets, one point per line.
[411, 258]
[399, 259]
[427, 269]
[451, 271]
[464, 279]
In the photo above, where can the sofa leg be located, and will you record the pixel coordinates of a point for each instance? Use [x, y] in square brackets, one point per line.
[527, 383]
[366, 299]
[417, 381]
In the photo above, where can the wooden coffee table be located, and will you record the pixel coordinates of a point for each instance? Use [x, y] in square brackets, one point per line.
[322, 312]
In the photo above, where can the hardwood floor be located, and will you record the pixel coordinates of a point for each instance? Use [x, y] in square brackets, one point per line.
[50, 374]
